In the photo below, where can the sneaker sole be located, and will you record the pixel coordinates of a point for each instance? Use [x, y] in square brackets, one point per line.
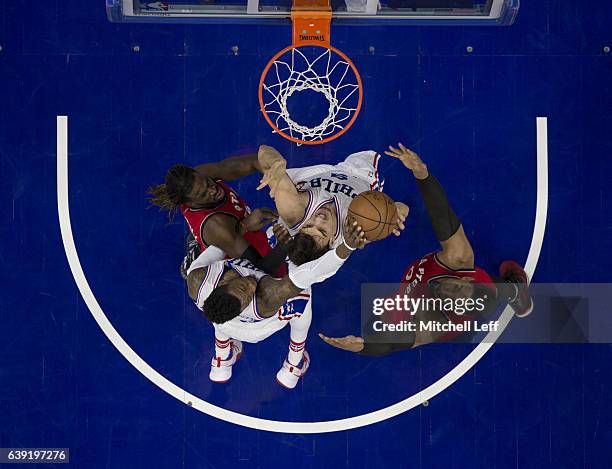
[287, 387]
[525, 314]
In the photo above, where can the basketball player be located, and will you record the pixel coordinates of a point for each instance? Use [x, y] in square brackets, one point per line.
[449, 273]
[313, 201]
[216, 214]
[245, 304]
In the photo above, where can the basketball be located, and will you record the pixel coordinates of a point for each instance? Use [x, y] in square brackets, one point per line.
[375, 212]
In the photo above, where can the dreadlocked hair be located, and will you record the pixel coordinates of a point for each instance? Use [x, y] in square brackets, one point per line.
[174, 192]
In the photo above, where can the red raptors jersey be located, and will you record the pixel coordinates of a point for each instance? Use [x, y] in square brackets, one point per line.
[429, 268]
[231, 204]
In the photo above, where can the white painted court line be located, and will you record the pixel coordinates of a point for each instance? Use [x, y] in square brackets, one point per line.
[271, 425]
[542, 196]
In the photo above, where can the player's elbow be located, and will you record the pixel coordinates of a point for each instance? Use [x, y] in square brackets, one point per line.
[462, 260]
[267, 296]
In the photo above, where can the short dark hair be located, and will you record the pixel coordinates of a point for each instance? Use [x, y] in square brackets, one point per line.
[303, 249]
[221, 306]
[175, 190]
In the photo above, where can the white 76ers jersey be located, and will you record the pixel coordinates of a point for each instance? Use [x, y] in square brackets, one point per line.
[337, 185]
[249, 325]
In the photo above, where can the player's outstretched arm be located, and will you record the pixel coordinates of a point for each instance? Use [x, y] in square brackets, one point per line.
[290, 203]
[456, 251]
[233, 167]
[223, 231]
[356, 344]
[396, 342]
[273, 293]
[272, 261]
[316, 271]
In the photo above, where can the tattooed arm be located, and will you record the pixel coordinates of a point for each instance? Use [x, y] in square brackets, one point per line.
[273, 293]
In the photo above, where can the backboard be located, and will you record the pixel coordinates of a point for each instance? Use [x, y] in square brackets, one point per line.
[420, 12]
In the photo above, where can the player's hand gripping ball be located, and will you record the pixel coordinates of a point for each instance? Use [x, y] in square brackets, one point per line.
[353, 235]
[376, 213]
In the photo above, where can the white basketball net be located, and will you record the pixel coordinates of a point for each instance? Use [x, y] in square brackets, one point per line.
[327, 74]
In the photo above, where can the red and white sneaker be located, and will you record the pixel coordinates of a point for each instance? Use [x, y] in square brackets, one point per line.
[514, 273]
[289, 375]
[221, 370]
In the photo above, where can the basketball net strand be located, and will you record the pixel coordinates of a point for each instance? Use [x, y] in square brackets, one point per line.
[336, 94]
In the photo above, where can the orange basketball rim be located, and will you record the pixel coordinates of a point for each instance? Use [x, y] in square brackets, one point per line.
[311, 63]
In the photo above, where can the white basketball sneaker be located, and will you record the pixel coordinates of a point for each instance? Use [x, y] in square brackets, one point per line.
[289, 375]
[221, 370]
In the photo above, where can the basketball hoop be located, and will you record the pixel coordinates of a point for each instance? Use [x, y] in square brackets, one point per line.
[310, 65]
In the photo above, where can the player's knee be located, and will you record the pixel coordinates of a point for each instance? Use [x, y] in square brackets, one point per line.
[303, 248]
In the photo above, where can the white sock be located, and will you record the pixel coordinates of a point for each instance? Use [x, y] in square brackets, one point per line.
[296, 352]
[222, 348]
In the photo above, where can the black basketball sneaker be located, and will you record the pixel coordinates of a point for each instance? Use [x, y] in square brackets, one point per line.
[513, 273]
[192, 251]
